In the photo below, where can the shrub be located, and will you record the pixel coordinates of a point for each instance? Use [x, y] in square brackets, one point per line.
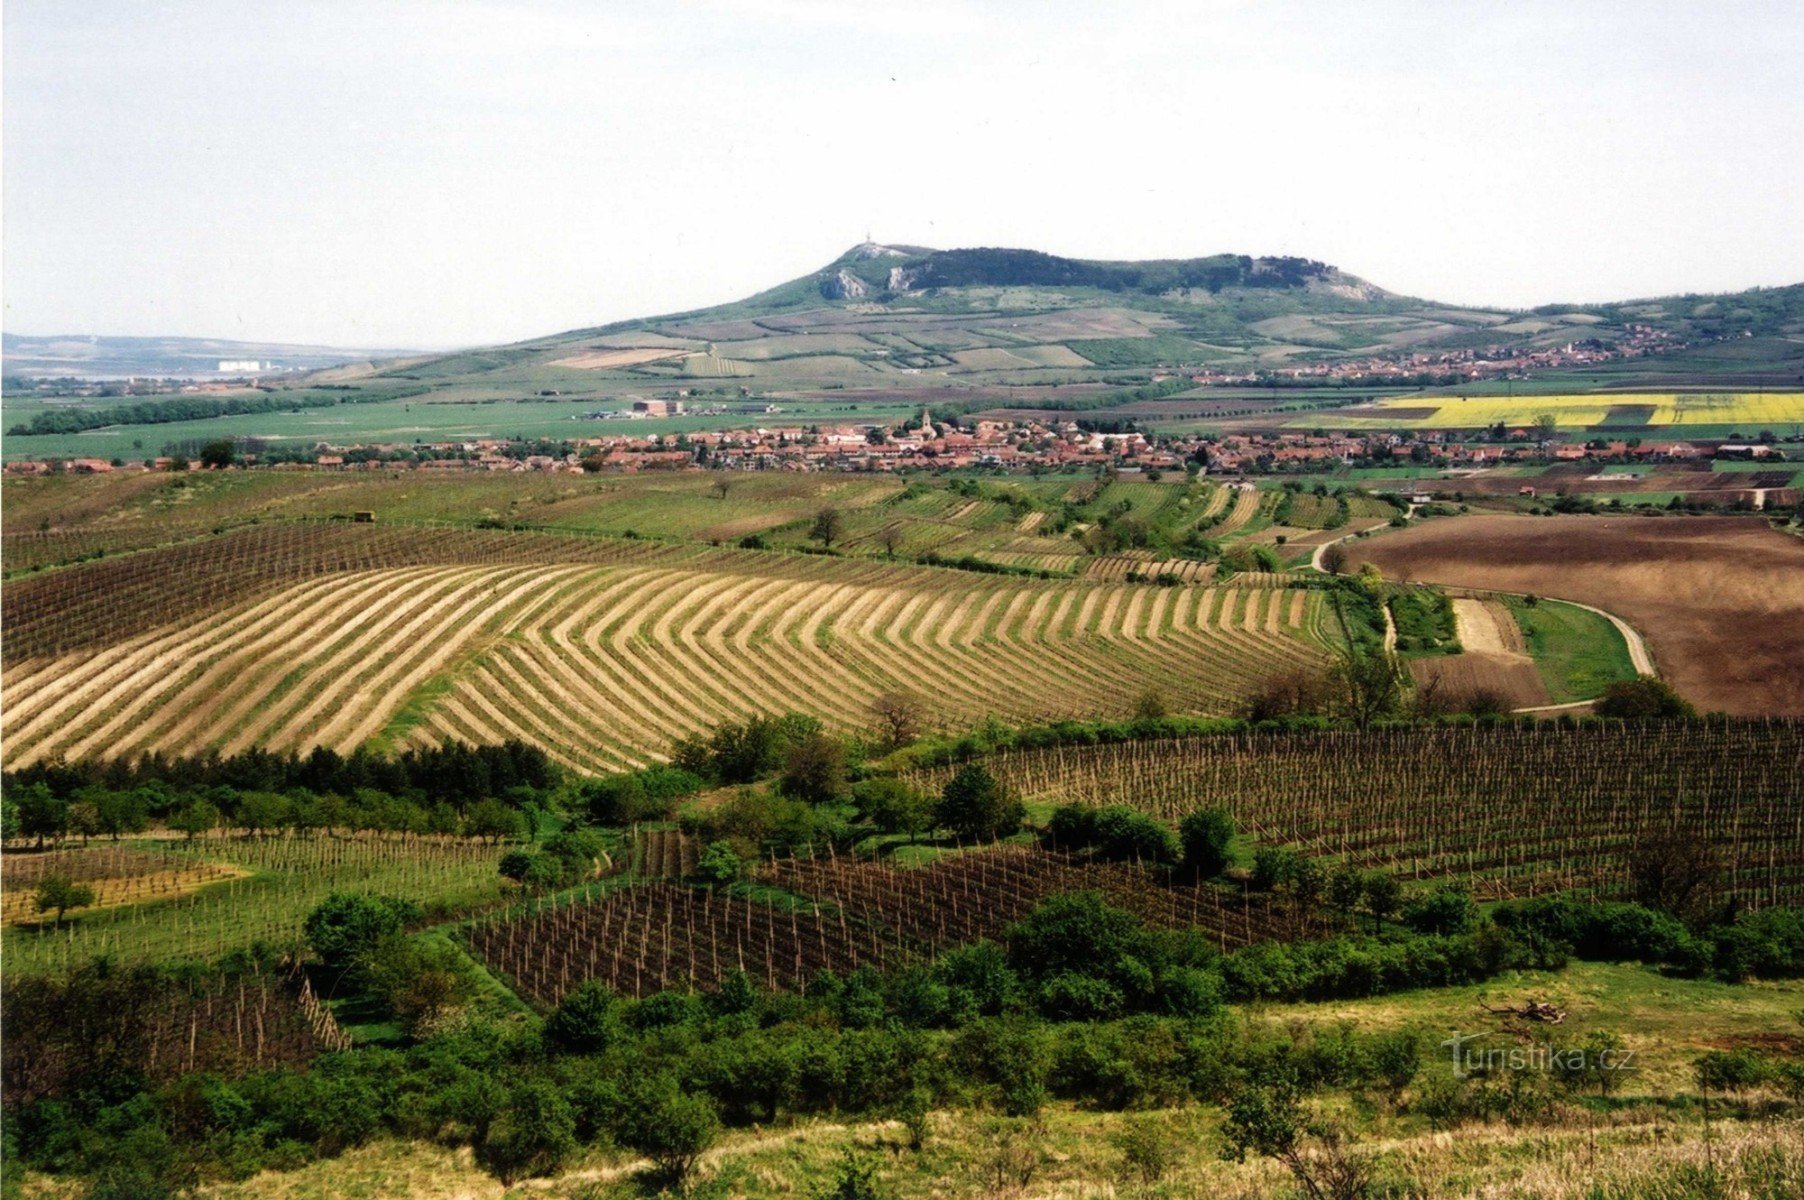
[586, 1021]
[1444, 910]
[975, 807]
[1205, 838]
[671, 1128]
[533, 1135]
[346, 927]
[1643, 699]
[1124, 833]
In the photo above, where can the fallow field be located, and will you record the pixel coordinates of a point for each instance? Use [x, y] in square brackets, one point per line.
[1720, 601]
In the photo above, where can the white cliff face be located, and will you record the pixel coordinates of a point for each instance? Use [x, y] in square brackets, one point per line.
[844, 286]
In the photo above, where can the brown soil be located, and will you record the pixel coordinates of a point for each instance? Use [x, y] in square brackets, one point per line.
[1720, 600]
[1461, 675]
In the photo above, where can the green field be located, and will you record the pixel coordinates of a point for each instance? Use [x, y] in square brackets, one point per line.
[1577, 652]
[405, 422]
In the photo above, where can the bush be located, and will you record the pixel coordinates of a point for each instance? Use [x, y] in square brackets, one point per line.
[647, 795]
[586, 1021]
[1444, 910]
[975, 807]
[719, 864]
[533, 1135]
[1642, 699]
[346, 927]
[669, 1127]
[892, 806]
[1205, 838]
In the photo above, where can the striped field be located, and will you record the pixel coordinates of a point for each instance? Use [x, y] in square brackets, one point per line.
[604, 663]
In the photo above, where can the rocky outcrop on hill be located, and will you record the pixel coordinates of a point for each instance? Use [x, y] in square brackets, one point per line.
[844, 286]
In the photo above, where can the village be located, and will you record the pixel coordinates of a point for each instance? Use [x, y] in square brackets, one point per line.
[1004, 446]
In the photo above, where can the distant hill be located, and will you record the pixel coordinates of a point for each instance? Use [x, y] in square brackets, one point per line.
[907, 323]
[90, 357]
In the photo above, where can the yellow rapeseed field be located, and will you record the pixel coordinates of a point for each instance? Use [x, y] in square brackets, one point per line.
[1753, 410]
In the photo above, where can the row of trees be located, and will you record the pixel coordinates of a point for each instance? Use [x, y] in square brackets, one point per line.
[38, 813]
[454, 772]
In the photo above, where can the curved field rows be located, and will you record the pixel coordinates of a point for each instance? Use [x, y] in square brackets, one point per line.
[1246, 507]
[606, 665]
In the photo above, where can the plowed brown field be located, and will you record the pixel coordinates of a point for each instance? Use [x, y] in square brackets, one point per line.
[1720, 600]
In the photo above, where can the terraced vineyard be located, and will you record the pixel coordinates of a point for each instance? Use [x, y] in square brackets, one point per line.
[601, 651]
[1510, 811]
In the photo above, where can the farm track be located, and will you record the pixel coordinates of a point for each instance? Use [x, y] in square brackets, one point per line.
[605, 662]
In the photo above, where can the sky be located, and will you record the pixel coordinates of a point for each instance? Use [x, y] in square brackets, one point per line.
[431, 174]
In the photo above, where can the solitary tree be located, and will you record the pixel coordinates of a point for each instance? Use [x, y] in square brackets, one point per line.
[1371, 685]
[976, 808]
[900, 716]
[815, 769]
[219, 453]
[1334, 558]
[59, 894]
[891, 537]
[1206, 837]
[829, 526]
[721, 484]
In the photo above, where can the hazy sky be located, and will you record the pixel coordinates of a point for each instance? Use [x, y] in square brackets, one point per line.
[428, 174]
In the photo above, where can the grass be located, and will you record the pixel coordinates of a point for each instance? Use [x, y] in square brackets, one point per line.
[1578, 652]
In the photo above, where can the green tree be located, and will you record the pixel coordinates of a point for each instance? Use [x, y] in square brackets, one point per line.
[218, 453]
[84, 820]
[195, 818]
[422, 981]
[1643, 699]
[976, 808]
[262, 812]
[42, 814]
[1446, 910]
[493, 820]
[59, 893]
[121, 813]
[1383, 894]
[671, 1128]
[1371, 685]
[892, 806]
[532, 1135]
[814, 770]
[1206, 837]
[586, 1021]
[346, 928]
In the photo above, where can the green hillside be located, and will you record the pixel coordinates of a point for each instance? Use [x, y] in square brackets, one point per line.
[883, 331]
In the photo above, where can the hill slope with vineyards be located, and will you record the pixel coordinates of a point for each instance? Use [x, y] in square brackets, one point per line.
[600, 650]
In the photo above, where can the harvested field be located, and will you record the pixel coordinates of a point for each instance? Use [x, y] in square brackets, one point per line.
[1720, 600]
[601, 664]
[1486, 627]
[1496, 658]
[602, 360]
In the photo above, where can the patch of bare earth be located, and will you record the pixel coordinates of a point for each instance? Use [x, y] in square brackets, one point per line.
[1720, 600]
